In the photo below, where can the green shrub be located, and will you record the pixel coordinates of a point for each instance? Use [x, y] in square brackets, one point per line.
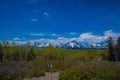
[18, 70]
[13, 70]
[92, 71]
[38, 68]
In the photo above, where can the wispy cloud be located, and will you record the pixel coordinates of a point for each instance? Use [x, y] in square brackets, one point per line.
[16, 39]
[54, 35]
[38, 34]
[111, 33]
[89, 36]
[46, 14]
[73, 33]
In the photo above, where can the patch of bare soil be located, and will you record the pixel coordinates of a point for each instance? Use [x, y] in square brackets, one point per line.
[48, 76]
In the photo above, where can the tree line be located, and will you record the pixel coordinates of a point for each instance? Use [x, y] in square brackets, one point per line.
[27, 52]
[13, 52]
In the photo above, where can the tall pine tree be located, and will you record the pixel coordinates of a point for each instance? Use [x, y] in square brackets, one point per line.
[1, 53]
[118, 48]
[111, 55]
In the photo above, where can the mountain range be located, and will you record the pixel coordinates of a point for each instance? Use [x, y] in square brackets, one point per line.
[73, 43]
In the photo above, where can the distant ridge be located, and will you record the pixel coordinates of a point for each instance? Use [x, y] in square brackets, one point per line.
[71, 43]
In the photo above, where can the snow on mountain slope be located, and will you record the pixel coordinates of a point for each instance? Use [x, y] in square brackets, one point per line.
[71, 43]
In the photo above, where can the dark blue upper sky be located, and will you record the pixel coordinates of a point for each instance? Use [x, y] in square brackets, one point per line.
[32, 19]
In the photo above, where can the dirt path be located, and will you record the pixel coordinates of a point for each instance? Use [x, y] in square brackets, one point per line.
[48, 76]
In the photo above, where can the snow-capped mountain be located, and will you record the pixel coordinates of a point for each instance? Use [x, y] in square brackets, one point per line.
[71, 43]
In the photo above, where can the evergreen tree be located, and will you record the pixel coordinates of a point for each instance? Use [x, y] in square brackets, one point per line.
[111, 55]
[1, 53]
[118, 48]
[115, 52]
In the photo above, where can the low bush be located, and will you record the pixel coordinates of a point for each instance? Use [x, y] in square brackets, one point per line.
[18, 70]
[92, 71]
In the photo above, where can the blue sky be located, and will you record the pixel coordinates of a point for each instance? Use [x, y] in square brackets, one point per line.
[35, 19]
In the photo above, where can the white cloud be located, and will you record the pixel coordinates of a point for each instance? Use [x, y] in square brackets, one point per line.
[111, 33]
[60, 37]
[86, 35]
[16, 39]
[72, 33]
[46, 14]
[39, 34]
[98, 38]
[91, 37]
[54, 35]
